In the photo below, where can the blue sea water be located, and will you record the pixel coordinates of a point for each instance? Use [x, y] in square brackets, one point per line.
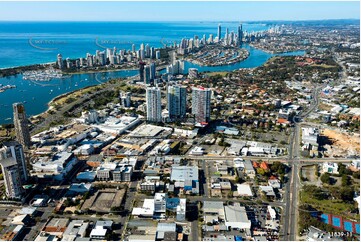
[75, 39]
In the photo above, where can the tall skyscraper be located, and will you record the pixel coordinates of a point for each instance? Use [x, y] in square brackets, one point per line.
[15, 150]
[240, 33]
[226, 37]
[154, 106]
[152, 53]
[133, 48]
[142, 54]
[147, 51]
[60, 61]
[141, 71]
[157, 55]
[12, 161]
[177, 101]
[219, 32]
[201, 104]
[153, 71]
[13, 185]
[21, 125]
[147, 74]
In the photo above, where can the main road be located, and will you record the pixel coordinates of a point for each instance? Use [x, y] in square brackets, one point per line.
[293, 186]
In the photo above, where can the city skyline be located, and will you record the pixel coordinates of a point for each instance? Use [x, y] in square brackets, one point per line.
[178, 11]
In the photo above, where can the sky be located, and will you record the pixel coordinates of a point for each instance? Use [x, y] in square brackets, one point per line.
[177, 11]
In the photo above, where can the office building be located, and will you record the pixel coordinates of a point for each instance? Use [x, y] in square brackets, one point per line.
[154, 108]
[21, 125]
[160, 202]
[177, 101]
[201, 104]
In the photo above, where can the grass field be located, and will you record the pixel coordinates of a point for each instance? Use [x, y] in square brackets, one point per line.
[334, 206]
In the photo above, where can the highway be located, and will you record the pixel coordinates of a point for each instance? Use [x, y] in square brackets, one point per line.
[293, 186]
[269, 159]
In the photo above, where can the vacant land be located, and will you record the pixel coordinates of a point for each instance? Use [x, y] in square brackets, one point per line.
[102, 201]
[343, 144]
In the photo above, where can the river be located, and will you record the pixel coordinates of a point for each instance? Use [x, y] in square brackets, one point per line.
[36, 95]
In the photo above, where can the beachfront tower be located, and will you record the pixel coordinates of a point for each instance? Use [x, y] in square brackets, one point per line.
[240, 33]
[219, 32]
[60, 61]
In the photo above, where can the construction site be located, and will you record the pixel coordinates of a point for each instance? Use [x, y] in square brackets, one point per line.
[341, 144]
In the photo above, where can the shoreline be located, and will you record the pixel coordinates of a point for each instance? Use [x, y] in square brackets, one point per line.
[216, 65]
[275, 52]
[23, 66]
[49, 104]
[162, 67]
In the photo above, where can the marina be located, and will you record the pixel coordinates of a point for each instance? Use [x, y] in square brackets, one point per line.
[6, 87]
[43, 75]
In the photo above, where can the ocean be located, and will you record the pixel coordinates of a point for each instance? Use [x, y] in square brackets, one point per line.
[40, 42]
[19, 40]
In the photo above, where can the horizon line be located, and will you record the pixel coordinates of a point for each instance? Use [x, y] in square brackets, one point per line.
[195, 20]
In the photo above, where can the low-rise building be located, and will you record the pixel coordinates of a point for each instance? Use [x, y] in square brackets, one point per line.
[56, 226]
[316, 234]
[56, 167]
[236, 217]
[98, 233]
[330, 167]
[80, 188]
[76, 229]
[244, 190]
[268, 191]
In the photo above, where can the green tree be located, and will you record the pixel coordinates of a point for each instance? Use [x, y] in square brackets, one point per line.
[345, 180]
[326, 178]
[356, 175]
[342, 170]
[347, 194]
[261, 171]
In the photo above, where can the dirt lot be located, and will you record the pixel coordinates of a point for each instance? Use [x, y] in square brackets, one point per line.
[343, 144]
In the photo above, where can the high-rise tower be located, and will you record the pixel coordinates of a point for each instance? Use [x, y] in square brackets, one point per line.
[21, 125]
[201, 104]
[154, 106]
[177, 101]
[219, 32]
[13, 164]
